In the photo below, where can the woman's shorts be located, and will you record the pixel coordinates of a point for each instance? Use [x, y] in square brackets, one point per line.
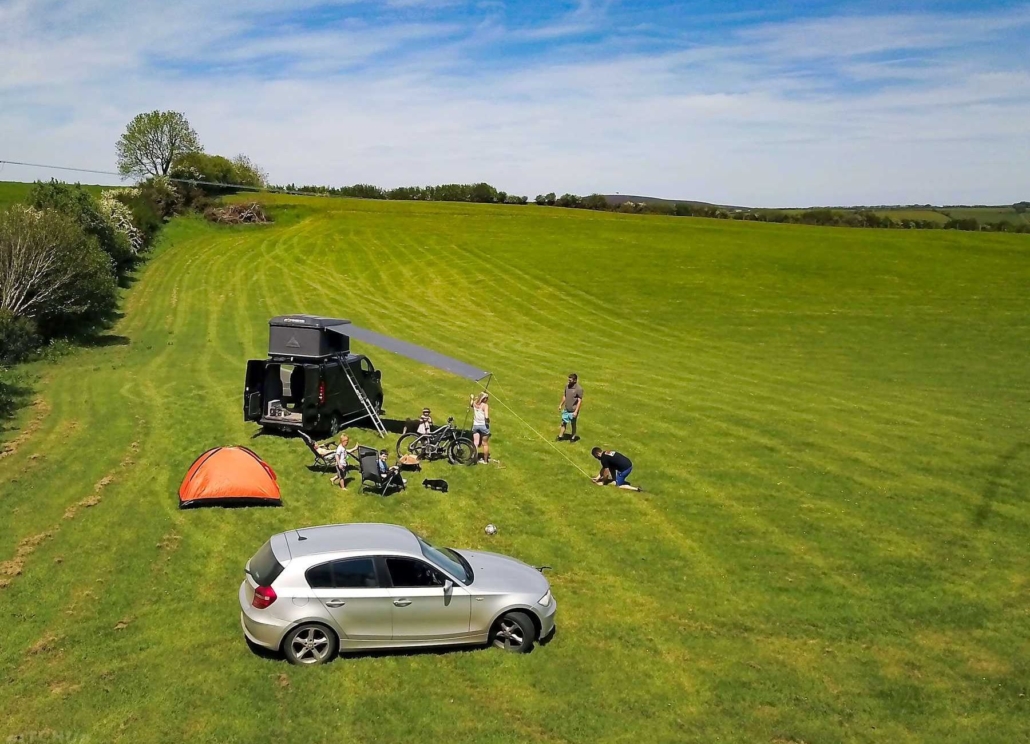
[481, 430]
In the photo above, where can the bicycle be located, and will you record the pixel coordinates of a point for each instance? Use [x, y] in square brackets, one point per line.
[447, 441]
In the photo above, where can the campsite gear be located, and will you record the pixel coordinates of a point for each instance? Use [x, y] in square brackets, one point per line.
[409, 461]
[318, 383]
[229, 476]
[324, 458]
[436, 484]
[369, 459]
[490, 529]
[311, 592]
[446, 441]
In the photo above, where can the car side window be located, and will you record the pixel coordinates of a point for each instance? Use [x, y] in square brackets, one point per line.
[350, 573]
[366, 367]
[321, 576]
[410, 573]
[354, 573]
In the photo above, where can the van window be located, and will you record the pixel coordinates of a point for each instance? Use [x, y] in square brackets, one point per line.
[366, 367]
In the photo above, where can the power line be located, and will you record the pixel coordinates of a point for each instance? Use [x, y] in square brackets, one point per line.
[191, 181]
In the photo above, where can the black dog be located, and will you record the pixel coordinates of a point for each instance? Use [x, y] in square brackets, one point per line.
[436, 484]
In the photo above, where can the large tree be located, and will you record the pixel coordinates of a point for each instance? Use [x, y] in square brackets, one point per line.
[153, 141]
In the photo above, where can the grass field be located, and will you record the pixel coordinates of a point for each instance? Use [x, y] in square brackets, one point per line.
[831, 424]
[14, 192]
[989, 214]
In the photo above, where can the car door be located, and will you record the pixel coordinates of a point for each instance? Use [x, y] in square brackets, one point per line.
[314, 395]
[423, 608]
[252, 391]
[351, 593]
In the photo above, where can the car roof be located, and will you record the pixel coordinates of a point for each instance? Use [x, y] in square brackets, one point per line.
[332, 538]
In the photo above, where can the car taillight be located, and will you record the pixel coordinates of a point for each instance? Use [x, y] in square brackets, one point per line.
[263, 596]
[321, 392]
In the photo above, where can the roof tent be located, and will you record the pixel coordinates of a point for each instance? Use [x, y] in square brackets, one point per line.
[305, 336]
[229, 476]
[315, 336]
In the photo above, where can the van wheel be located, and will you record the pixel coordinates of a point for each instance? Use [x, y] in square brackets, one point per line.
[310, 644]
[515, 632]
[334, 424]
[377, 404]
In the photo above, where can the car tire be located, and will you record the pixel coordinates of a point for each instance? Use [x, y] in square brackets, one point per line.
[310, 644]
[515, 632]
[334, 424]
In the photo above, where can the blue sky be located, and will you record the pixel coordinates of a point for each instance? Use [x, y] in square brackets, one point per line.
[743, 102]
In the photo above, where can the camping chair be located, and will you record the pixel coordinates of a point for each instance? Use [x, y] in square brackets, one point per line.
[325, 458]
[369, 459]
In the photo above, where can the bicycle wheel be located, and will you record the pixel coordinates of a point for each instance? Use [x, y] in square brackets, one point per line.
[411, 443]
[462, 452]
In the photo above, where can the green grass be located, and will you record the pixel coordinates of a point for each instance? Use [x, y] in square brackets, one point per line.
[831, 425]
[14, 192]
[913, 214]
[988, 214]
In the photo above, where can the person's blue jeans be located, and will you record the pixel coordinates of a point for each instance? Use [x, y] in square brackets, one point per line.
[622, 475]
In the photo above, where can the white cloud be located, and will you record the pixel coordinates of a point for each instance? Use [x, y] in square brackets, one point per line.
[749, 119]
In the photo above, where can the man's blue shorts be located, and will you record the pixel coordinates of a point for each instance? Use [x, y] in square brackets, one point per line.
[622, 475]
[567, 417]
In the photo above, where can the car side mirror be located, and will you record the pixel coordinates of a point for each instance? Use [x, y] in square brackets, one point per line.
[448, 585]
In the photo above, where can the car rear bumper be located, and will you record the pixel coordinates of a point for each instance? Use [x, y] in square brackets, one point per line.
[258, 630]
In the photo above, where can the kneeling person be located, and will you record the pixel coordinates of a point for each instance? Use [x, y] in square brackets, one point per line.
[615, 468]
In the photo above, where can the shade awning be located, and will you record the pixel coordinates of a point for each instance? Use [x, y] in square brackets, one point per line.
[412, 351]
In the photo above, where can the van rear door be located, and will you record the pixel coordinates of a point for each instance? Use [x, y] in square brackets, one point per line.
[253, 397]
[314, 395]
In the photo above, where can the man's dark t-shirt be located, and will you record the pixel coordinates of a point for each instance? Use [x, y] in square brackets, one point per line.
[572, 394]
[616, 462]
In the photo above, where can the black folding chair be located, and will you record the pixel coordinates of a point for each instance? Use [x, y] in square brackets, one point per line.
[369, 459]
[325, 458]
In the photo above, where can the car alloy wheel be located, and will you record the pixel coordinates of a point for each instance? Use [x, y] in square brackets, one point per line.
[514, 632]
[309, 645]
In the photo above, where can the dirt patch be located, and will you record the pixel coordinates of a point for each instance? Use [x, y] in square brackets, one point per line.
[63, 688]
[124, 623]
[170, 542]
[42, 409]
[44, 645]
[25, 548]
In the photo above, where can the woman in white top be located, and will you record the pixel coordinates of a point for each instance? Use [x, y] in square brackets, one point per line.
[481, 426]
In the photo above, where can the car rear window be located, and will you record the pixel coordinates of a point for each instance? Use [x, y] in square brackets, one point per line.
[264, 568]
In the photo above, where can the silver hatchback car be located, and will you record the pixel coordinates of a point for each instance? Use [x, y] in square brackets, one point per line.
[316, 591]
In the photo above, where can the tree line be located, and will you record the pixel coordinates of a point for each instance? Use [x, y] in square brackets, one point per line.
[65, 252]
[480, 193]
[827, 217]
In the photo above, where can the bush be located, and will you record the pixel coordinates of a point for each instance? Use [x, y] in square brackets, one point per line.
[54, 273]
[81, 207]
[18, 337]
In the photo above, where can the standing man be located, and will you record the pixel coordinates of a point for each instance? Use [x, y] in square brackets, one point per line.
[615, 468]
[571, 402]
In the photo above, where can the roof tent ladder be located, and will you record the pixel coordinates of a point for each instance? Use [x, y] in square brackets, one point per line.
[365, 402]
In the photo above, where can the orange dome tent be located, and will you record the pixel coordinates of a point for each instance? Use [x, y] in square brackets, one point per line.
[229, 476]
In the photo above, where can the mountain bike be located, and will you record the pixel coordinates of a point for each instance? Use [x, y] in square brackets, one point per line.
[447, 441]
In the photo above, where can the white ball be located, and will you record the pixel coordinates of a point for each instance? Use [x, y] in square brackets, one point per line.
[490, 530]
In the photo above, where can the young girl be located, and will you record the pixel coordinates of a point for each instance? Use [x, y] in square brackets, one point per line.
[481, 426]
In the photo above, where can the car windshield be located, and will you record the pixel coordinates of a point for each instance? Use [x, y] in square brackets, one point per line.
[449, 560]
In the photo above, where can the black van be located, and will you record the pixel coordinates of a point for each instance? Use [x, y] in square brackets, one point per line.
[310, 380]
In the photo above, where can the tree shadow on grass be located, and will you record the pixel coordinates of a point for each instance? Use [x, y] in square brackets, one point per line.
[13, 397]
[105, 339]
[995, 480]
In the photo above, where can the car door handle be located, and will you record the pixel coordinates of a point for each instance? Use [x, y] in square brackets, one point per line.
[336, 603]
[401, 602]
